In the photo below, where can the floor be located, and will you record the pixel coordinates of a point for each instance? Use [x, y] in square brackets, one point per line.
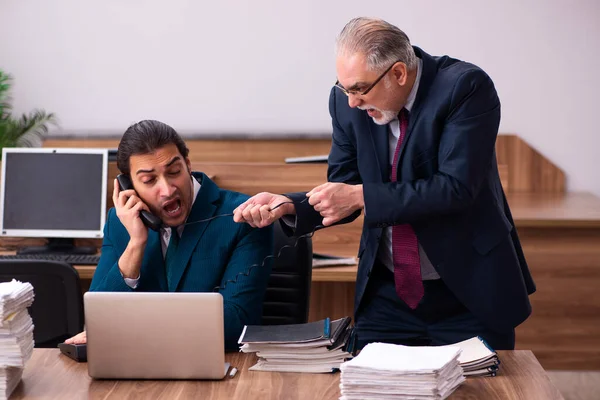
[577, 385]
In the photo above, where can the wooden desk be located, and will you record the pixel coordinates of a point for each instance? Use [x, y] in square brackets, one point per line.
[563, 210]
[50, 375]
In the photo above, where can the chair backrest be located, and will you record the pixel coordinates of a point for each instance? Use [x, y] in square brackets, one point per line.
[288, 292]
[57, 309]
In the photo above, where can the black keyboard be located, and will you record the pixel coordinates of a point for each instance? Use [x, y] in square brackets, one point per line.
[73, 259]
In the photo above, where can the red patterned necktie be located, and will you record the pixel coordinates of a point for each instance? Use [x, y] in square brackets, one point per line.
[405, 247]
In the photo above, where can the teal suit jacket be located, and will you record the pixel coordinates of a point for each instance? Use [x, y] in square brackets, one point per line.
[209, 254]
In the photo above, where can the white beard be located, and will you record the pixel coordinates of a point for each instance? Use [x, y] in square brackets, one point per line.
[386, 115]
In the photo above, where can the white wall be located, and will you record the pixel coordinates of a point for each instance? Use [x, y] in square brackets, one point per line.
[266, 66]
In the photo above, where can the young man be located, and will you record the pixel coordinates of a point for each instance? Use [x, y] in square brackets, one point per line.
[414, 149]
[187, 255]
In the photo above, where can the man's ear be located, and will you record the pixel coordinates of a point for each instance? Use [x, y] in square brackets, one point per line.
[400, 73]
[188, 163]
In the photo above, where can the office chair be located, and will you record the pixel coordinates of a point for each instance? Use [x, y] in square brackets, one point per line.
[57, 309]
[288, 291]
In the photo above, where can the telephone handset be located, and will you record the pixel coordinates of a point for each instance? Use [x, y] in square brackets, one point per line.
[150, 220]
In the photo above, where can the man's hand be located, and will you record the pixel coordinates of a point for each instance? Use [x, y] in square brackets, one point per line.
[128, 206]
[80, 338]
[336, 201]
[262, 209]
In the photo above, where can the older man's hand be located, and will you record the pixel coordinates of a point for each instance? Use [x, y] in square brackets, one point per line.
[335, 201]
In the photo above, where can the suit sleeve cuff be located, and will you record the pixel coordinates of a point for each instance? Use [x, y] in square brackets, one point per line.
[131, 282]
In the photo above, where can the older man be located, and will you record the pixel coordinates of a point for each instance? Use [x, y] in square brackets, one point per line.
[414, 149]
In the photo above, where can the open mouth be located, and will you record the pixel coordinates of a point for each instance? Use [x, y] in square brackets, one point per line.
[172, 207]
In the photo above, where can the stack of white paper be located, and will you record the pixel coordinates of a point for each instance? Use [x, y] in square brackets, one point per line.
[16, 333]
[389, 371]
[9, 379]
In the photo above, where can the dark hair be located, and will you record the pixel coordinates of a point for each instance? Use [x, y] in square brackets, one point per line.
[145, 137]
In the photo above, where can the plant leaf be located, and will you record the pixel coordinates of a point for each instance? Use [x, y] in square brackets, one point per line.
[27, 131]
[33, 128]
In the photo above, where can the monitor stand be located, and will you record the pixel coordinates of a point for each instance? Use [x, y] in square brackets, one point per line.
[58, 246]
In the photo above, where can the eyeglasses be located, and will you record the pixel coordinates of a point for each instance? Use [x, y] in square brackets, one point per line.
[367, 90]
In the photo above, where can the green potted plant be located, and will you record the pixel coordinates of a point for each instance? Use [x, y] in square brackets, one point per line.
[27, 131]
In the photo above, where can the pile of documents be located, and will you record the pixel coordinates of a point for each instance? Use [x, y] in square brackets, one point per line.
[477, 358]
[389, 371]
[16, 333]
[315, 347]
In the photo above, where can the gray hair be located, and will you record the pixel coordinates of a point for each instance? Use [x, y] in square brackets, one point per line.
[381, 42]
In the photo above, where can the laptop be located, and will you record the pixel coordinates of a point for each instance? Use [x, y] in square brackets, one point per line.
[155, 335]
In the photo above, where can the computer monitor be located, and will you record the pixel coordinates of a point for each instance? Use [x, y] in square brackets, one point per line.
[59, 194]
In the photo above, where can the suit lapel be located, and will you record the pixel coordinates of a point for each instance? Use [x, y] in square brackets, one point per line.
[427, 77]
[203, 208]
[379, 137]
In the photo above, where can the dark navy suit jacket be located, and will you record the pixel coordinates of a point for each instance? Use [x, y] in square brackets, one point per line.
[448, 189]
